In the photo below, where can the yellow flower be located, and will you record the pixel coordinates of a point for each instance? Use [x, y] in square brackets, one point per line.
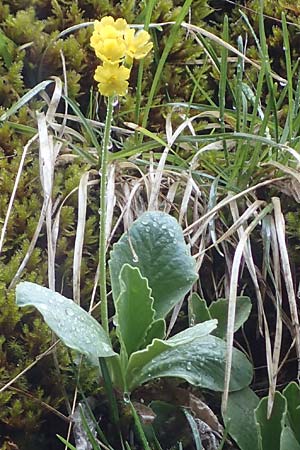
[111, 50]
[107, 39]
[112, 79]
[108, 28]
[137, 44]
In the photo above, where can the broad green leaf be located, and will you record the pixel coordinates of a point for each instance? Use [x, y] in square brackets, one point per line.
[219, 310]
[157, 346]
[198, 310]
[155, 244]
[239, 418]
[134, 310]
[200, 362]
[288, 440]
[191, 333]
[72, 324]
[269, 430]
[292, 394]
[157, 330]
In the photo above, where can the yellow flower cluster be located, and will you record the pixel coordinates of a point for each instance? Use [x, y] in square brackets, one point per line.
[116, 44]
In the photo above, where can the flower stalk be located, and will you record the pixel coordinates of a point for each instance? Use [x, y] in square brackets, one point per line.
[102, 211]
[116, 45]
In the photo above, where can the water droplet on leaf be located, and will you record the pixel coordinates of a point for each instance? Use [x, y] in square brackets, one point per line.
[69, 312]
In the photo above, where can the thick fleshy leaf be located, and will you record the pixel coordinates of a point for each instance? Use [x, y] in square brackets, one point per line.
[292, 395]
[270, 429]
[219, 310]
[200, 362]
[157, 330]
[288, 440]
[239, 418]
[198, 309]
[155, 244]
[191, 333]
[134, 310]
[72, 324]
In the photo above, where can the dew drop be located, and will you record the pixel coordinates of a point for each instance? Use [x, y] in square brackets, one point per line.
[115, 101]
[189, 366]
[69, 312]
[192, 320]
[43, 307]
[126, 397]
[106, 347]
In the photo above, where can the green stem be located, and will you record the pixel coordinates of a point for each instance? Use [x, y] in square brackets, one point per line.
[102, 222]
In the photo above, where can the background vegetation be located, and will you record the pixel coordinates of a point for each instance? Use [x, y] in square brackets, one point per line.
[233, 127]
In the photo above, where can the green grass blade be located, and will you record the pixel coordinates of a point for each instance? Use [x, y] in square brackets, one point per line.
[195, 431]
[168, 46]
[108, 387]
[64, 441]
[89, 434]
[223, 83]
[288, 128]
[238, 86]
[266, 64]
[85, 124]
[25, 99]
[139, 427]
[148, 13]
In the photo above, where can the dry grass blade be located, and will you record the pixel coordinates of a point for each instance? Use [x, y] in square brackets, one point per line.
[40, 402]
[37, 359]
[287, 170]
[278, 331]
[31, 246]
[232, 299]
[286, 270]
[186, 198]
[55, 100]
[171, 196]
[221, 42]
[13, 194]
[81, 220]
[94, 123]
[250, 264]
[238, 222]
[262, 319]
[227, 201]
[47, 161]
[157, 175]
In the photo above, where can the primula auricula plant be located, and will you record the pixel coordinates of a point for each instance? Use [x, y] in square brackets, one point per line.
[151, 271]
[117, 45]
